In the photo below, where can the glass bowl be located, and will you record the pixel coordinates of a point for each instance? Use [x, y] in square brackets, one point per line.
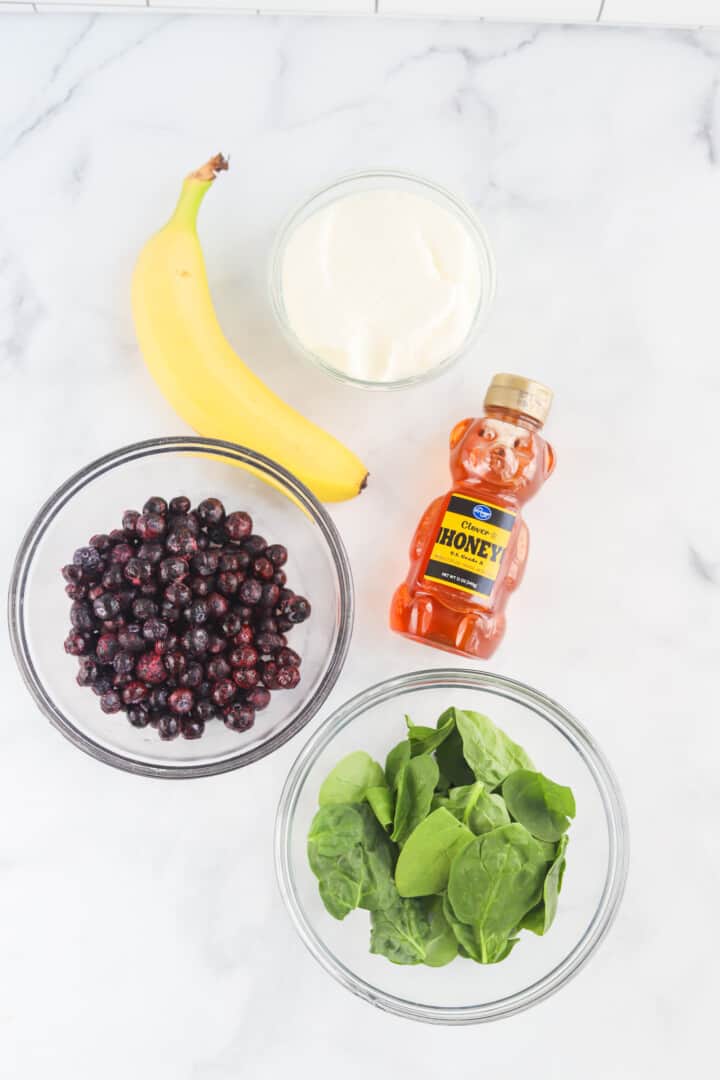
[393, 181]
[463, 992]
[92, 501]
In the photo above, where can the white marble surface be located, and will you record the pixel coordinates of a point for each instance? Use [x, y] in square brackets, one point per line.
[141, 933]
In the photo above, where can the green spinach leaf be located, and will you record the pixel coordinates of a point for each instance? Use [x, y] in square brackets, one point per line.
[490, 950]
[453, 766]
[349, 780]
[352, 857]
[477, 808]
[467, 946]
[381, 802]
[489, 752]
[413, 932]
[540, 918]
[542, 806]
[493, 883]
[423, 740]
[335, 830]
[398, 756]
[415, 785]
[423, 866]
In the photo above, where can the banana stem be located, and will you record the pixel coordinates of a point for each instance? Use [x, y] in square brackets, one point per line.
[194, 189]
[211, 168]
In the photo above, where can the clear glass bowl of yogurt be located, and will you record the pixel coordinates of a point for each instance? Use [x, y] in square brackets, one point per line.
[383, 279]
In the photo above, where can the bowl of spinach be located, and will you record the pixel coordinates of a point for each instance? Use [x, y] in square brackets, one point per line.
[451, 846]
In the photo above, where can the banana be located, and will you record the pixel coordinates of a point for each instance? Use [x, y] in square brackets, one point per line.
[200, 374]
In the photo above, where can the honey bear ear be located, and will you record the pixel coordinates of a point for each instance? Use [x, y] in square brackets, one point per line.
[458, 431]
[549, 459]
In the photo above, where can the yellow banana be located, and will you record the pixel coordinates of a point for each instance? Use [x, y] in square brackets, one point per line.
[200, 374]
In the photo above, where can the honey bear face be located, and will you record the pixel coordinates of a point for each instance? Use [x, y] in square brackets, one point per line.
[501, 455]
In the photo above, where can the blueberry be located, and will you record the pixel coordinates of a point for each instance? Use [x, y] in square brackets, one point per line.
[297, 609]
[75, 644]
[178, 593]
[238, 525]
[81, 616]
[144, 608]
[192, 727]
[124, 663]
[251, 591]
[277, 554]
[263, 568]
[150, 669]
[111, 702]
[152, 552]
[139, 716]
[196, 640]
[239, 717]
[106, 606]
[181, 702]
[168, 726]
[129, 522]
[255, 545]
[181, 541]
[89, 559]
[258, 699]
[217, 606]
[155, 505]
[134, 693]
[138, 571]
[180, 504]
[173, 569]
[211, 511]
[223, 692]
[155, 629]
[151, 526]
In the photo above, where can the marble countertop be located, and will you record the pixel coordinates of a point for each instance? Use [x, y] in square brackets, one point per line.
[141, 933]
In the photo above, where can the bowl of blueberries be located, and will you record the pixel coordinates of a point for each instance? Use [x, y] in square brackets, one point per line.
[181, 607]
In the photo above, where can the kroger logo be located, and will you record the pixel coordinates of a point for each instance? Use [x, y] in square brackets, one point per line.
[481, 512]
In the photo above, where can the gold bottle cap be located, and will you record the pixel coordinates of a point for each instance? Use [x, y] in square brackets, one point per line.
[521, 395]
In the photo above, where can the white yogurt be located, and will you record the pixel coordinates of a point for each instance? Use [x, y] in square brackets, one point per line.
[381, 285]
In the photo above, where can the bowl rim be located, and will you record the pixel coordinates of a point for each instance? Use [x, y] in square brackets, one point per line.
[615, 817]
[63, 495]
[453, 203]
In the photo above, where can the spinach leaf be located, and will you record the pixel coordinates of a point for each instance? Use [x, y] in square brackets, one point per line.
[540, 918]
[423, 740]
[477, 808]
[381, 802]
[398, 756]
[415, 785]
[352, 858]
[441, 944]
[449, 756]
[334, 831]
[493, 883]
[341, 888]
[424, 863]
[489, 752]
[467, 946]
[489, 951]
[413, 932]
[542, 806]
[350, 779]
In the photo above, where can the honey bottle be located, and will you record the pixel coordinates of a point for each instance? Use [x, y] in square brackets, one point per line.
[469, 550]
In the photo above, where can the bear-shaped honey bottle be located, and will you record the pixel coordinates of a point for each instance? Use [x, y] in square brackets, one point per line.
[469, 550]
